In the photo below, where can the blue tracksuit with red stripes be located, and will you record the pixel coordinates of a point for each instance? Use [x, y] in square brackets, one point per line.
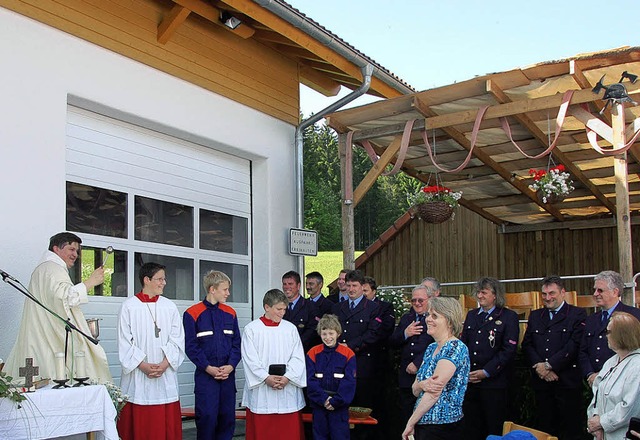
[212, 337]
[331, 373]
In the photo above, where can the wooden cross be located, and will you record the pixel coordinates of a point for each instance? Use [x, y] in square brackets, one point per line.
[28, 371]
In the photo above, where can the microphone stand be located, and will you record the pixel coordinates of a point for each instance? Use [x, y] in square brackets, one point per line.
[68, 325]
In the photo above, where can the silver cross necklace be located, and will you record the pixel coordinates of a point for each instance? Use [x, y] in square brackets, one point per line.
[154, 318]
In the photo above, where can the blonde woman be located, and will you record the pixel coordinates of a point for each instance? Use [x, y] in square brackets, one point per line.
[442, 379]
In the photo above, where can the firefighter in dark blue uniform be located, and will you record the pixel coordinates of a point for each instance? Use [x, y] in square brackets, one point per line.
[491, 334]
[212, 343]
[360, 322]
[594, 350]
[300, 312]
[551, 345]
[314, 284]
[411, 336]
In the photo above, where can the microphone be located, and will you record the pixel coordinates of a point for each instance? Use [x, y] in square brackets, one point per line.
[6, 276]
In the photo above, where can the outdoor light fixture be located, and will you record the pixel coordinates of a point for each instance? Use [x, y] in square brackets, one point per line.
[229, 20]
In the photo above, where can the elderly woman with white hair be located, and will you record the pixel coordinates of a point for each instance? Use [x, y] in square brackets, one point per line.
[442, 379]
[615, 388]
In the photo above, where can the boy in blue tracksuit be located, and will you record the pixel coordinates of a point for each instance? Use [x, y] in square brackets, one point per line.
[331, 382]
[212, 342]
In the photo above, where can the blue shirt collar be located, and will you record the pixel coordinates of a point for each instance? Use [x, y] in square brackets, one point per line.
[612, 309]
[295, 301]
[489, 312]
[356, 301]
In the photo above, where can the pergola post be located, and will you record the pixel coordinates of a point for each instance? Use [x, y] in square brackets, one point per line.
[348, 207]
[623, 223]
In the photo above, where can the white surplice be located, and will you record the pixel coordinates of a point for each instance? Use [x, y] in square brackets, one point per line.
[41, 335]
[137, 343]
[262, 346]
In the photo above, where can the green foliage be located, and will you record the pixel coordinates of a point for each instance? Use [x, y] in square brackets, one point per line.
[9, 390]
[381, 206]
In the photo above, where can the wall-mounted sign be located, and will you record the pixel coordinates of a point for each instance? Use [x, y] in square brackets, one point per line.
[303, 242]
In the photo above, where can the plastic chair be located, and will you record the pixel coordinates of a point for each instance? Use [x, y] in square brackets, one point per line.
[510, 426]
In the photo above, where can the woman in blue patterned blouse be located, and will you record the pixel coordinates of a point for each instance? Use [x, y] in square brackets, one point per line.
[442, 378]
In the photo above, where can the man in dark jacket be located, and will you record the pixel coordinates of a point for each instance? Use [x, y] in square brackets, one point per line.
[411, 337]
[300, 312]
[314, 284]
[491, 334]
[360, 323]
[551, 345]
[594, 350]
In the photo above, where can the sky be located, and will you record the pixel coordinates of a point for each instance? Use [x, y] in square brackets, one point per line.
[432, 43]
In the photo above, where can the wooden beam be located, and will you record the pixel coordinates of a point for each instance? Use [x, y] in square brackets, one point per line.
[171, 22]
[301, 38]
[348, 222]
[461, 139]
[376, 170]
[597, 223]
[625, 255]
[318, 82]
[528, 123]
[211, 13]
[469, 116]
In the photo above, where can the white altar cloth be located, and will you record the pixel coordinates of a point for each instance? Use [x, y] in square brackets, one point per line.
[50, 413]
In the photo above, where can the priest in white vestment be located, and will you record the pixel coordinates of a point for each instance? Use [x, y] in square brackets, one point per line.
[41, 334]
[275, 373]
[150, 349]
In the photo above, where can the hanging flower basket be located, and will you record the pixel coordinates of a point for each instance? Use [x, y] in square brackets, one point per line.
[551, 186]
[434, 212]
[551, 198]
[435, 204]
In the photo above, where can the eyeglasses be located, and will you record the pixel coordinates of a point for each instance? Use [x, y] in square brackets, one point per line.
[162, 280]
[417, 300]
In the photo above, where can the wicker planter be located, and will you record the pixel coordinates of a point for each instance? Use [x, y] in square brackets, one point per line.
[551, 199]
[434, 212]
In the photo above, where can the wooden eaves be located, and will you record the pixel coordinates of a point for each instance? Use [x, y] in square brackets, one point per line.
[321, 68]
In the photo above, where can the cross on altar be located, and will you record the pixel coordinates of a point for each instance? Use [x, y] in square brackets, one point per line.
[28, 371]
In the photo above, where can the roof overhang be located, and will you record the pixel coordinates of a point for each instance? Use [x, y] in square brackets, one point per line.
[495, 182]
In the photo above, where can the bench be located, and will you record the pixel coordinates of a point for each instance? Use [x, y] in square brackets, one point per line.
[241, 414]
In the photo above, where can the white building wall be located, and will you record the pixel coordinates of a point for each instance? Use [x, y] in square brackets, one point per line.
[43, 70]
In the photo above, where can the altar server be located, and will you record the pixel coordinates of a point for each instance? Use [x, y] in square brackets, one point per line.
[150, 348]
[212, 342]
[274, 366]
[41, 334]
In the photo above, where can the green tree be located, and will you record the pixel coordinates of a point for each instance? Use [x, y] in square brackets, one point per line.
[381, 206]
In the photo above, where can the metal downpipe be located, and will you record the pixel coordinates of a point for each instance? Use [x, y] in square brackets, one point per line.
[367, 72]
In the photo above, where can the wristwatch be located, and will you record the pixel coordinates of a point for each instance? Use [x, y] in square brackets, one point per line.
[547, 366]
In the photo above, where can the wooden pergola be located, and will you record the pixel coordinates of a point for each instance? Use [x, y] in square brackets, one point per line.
[548, 107]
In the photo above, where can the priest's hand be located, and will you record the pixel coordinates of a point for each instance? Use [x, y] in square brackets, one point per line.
[95, 279]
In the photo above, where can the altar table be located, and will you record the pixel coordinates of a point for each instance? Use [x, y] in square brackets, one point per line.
[49, 413]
